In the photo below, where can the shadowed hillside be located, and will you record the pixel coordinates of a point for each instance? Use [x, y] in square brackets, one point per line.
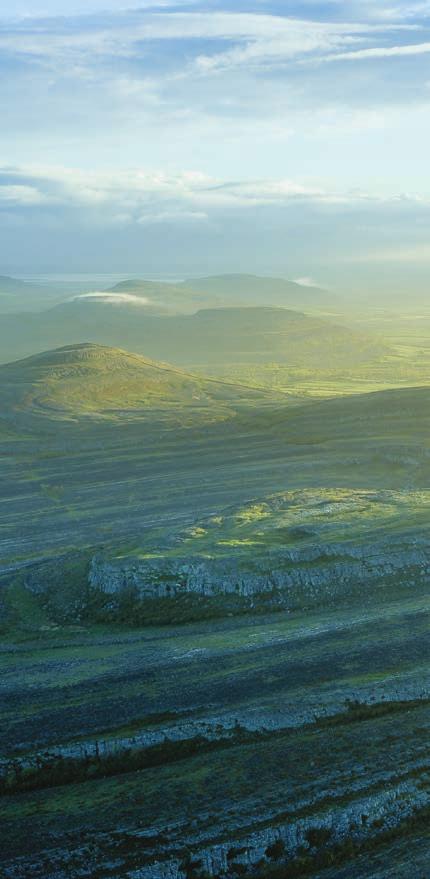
[231, 290]
[180, 297]
[243, 289]
[267, 335]
[210, 336]
[174, 297]
[21, 296]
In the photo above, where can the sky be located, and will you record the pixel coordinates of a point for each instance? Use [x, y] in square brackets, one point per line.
[183, 137]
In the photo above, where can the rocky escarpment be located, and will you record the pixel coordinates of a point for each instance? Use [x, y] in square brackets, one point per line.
[173, 587]
[291, 577]
[248, 854]
[306, 833]
[219, 749]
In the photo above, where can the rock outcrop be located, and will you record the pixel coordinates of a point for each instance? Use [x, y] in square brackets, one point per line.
[294, 577]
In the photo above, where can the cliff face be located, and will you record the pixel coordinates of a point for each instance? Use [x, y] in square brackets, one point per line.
[274, 841]
[294, 577]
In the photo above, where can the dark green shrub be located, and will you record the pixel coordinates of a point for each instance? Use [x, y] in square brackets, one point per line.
[275, 850]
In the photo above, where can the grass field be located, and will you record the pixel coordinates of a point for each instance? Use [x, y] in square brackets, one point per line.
[405, 363]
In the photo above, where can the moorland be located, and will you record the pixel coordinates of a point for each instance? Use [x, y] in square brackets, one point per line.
[214, 583]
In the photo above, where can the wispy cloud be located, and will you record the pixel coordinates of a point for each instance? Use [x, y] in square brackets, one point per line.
[380, 52]
[306, 281]
[138, 196]
[113, 299]
[399, 11]
[288, 145]
[258, 37]
[22, 10]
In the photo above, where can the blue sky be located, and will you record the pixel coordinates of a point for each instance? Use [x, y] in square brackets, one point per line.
[278, 136]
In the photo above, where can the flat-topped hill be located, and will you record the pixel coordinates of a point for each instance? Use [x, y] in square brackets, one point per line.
[231, 289]
[227, 335]
[263, 334]
[242, 288]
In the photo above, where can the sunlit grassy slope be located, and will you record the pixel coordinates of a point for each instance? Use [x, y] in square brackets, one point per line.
[304, 517]
[404, 362]
[94, 379]
[78, 481]
[403, 366]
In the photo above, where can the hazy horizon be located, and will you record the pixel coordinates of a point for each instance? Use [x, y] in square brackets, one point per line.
[264, 137]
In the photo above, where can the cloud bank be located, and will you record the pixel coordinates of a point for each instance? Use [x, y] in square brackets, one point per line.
[173, 136]
[162, 224]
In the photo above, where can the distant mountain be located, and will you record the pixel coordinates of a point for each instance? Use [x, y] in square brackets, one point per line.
[209, 336]
[19, 296]
[11, 285]
[230, 290]
[139, 286]
[177, 297]
[242, 289]
[113, 321]
[94, 379]
[267, 335]
[183, 297]
[10, 292]
[152, 289]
